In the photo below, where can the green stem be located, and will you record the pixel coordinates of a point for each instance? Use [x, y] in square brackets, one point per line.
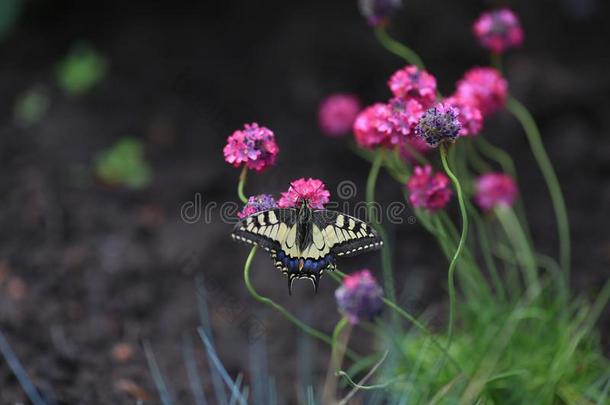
[242, 182]
[533, 135]
[517, 237]
[460, 247]
[264, 300]
[337, 275]
[397, 48]
[386, 257]
[496, 60]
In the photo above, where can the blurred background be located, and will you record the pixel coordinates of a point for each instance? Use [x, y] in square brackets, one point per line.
[113, 116]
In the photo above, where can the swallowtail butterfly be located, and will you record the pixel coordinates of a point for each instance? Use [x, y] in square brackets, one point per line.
[303, 242]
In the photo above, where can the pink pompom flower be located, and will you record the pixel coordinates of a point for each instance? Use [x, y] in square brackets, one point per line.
[253, 146]
[404, 115]
[373, 128]
[360, 297]
[312, 190]
[469, 115]
[257, 203]
[413, 82]
[493, 190]
[337, 113]
[428, 190]
[498, 30]
[485, 88]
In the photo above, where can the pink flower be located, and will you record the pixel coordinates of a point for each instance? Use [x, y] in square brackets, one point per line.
[413, 143]
[337, 113]
[485, 88]
[412, 82]
[360, 297]
[253, 146]
[373, 128]
[312, 190]
[257, 203]
[428, 190]
[469, 115]
[404, 115]
[498, 30]
[493, 190]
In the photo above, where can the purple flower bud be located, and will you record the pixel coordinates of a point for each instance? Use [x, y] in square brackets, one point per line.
[359, 297]
[257, 203]
[439, 124]
[377, 12]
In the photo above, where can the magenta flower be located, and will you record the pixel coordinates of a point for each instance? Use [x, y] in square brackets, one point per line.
[257, 203]
[413, 82]
[373, 128]
[337, 113]
[469, 115]
[494, 190]
[404, 115]
[413, 143]
[253, 146]
[439, 124]
[485, 88]
[498, 30]
[312, 190]
[359, 297]
[428, 190]
[377, 12]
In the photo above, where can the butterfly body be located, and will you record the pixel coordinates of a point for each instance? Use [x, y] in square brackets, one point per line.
[304, 242]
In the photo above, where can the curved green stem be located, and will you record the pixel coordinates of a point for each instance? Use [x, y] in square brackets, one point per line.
[460, 247]
[533, 136]
[496, 60]
[242, 182]
[386, 257]
[397, 48]
[264, 300]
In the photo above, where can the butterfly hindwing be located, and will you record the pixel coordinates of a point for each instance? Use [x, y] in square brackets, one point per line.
[345, 235]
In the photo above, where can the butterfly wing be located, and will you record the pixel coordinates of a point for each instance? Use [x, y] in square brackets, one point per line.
[344, 235]
[271, 230]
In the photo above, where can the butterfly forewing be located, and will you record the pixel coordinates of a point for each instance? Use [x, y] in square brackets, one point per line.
[345, 235]
[268, 229]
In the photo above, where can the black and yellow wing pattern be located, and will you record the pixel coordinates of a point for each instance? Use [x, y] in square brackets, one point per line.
[304, 242]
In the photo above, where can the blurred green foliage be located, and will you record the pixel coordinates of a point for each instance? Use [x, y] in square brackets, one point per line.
[81, 69]
[9, 14]
[123, 164]
[31, 106]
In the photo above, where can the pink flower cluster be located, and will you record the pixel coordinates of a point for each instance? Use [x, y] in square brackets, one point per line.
[312, 190]
[498, 30]
[483, 88]
[337, 113]
[494, 190]
[391, 124]
[253, 146]
[428, 190]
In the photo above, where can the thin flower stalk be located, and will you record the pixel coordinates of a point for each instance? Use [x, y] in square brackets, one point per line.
[398, 48]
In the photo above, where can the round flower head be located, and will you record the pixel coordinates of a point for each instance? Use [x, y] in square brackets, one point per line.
[257, 203]
[485, 88]
[312, 190]
[253, 146]
[377, 12]
[359, 297]
[404, 115]
[413, 144]
[439, 124]
[428, 190]
[413, 82]
[469, 115]
[498, 30]
[493, 190]
[337, 113]
[373, 128]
